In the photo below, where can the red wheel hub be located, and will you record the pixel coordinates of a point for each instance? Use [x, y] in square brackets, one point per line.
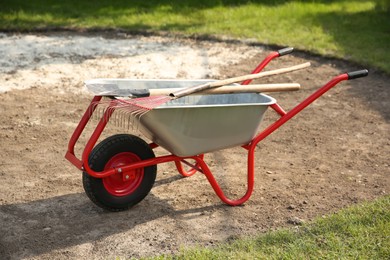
[122, 184]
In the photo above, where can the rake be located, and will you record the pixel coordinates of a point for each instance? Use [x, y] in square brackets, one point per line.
[139, 106]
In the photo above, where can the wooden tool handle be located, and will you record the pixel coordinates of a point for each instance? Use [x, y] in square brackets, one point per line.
[190, 90]
[254, 88]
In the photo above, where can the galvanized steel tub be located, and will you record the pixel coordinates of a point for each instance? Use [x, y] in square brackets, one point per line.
[199, 124]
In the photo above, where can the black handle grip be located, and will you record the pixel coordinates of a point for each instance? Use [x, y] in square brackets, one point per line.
[357, 74]
[285, 51]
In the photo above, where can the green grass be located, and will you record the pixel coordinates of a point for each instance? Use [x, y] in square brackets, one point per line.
[356, 30]
[359, 232]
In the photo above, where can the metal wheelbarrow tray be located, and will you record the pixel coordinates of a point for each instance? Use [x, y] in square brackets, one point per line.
[120, 171]
[200, 124]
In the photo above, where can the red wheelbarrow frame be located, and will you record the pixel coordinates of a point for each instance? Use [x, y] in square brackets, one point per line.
[200, 165]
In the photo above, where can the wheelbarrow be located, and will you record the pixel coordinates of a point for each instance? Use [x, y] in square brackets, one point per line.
[120, 171]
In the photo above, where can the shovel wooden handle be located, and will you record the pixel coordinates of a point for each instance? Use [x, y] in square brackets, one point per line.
[254, 88]
[190, 90]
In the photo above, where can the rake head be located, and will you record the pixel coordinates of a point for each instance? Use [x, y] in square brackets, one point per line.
[129, 111]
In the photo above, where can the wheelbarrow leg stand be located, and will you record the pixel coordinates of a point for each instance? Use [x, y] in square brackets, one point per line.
[217, 189]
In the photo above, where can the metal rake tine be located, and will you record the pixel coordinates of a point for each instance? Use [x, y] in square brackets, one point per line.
[138, 113]
[123, 118]
[137, 118]
[117, 118]
[120, 117]
[109, 110]
[100, 112]
[116, 114]
[129, 121]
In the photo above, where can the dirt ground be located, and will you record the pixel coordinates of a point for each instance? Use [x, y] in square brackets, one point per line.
[333, 154]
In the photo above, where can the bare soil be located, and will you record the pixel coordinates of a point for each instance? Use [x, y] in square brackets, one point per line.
[333, 154]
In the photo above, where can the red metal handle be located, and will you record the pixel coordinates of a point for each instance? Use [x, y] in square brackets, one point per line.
[287, 116]
[267, 60]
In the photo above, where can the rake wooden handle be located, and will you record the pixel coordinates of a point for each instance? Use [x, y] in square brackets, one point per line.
[254, 88]
[210, 85]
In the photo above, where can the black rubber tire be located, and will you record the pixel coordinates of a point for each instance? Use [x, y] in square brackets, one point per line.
[100, 156]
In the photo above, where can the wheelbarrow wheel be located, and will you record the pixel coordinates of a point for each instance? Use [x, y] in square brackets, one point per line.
[122, 190]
